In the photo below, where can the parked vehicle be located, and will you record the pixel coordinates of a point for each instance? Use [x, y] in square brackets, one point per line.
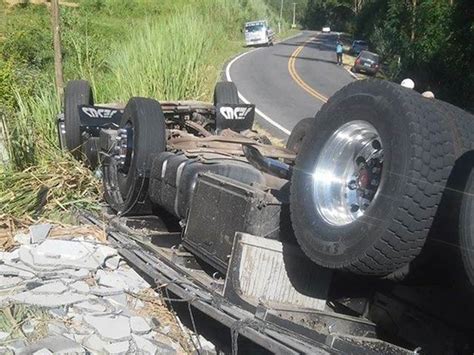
[359, 46]
[359, 188]
[326, 29]
[367, 62]
[258, 33]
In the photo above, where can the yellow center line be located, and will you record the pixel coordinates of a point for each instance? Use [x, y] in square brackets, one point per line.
[296, 77]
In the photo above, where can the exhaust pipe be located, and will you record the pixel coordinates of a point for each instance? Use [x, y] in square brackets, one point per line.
[267, 165]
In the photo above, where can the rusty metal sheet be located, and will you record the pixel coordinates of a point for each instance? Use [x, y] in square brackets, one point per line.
[225, 144]
[264, 271]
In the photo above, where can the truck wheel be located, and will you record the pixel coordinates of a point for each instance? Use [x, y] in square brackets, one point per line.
[77, 92]
[451, 239]
[369, 177]
[226, 92]
[298, 133]
[141, 136]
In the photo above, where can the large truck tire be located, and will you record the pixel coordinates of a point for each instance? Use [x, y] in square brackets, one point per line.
[298, 133]
[76, 93]
[369, 177]
[126, 178]
[226, 92]
[450, 248]
[466, 228]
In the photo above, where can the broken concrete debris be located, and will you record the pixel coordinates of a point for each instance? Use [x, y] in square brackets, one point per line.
[87, 297]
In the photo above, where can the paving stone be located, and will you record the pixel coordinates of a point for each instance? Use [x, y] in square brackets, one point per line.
[8, 269]
[39, 232]
[94, 344]
[139, 325]
[56, 328]
[113, 262]
[9, 256]
[92, 306]
[104, 252]
[148, 346]
[22, 238]
[80, 287]
[54, 254]
[110, 328]
[106, 291]
[16, 346]
[46, 300]
[126, 279]
[43, 351]
[78, 338]
[3, 336]
[28, 327]
[58, 345]
[9, 282]
[119, 300]
[50, 288]
[118, 348]
[58, 312]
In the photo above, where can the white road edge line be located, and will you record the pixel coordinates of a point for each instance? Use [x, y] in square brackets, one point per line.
[352, 74]
[244, 100]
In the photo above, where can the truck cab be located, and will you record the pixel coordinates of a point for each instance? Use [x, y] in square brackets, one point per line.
[258, 33]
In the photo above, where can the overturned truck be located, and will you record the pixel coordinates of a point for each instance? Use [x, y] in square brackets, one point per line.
[357, 237]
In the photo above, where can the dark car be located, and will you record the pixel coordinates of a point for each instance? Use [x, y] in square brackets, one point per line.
[367, 62]
[359, 46]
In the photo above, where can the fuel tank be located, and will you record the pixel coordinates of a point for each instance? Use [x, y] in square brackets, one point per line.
[174, 177]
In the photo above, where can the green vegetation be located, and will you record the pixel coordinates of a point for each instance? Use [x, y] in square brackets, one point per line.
[430, 41]
[168, 49]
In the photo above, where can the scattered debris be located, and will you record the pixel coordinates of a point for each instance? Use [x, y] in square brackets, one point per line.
[77, 295]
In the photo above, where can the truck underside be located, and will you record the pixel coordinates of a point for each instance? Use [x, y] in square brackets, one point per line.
[265, 239]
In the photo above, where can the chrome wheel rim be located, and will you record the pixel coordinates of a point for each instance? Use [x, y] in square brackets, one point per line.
[347, 173]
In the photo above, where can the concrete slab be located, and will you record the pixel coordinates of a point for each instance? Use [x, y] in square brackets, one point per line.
[92, 306]
[13, 269]
[9, 256]
[46, 300]
[94, 344]
[118, 348]
[52, 288]
[58, 345]
[4, 335]
[148, 346]
[113, 263]
[110, 328]
[139, 325]
[126, 279]
[39, 232]
[43, 351]
[53, 254]
[106, 291]
[22, 238]
[9, 282]
[80, 287]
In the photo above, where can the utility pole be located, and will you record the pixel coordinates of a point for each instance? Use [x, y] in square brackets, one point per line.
[58, 62]
[281, 15]
[293, 25]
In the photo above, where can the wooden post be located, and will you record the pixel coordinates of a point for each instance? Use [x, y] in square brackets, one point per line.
[58, 61]
[413, 21]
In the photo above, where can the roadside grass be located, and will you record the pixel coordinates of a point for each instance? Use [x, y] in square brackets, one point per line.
[169, 50]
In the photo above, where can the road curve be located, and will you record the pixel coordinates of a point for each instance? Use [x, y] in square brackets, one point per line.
[289, 81]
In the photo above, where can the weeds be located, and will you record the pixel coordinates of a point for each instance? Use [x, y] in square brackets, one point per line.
[170, 49]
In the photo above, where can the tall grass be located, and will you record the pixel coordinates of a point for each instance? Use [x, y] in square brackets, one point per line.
[168, 49]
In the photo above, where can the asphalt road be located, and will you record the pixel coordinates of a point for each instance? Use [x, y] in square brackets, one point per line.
[289, 81]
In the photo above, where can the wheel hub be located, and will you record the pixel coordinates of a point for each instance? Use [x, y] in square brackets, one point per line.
[123, 148]
[348, 172]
